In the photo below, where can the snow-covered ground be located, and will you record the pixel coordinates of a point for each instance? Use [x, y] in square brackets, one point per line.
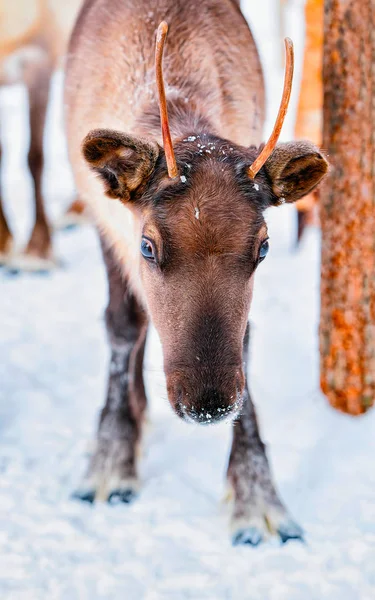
[172, 543]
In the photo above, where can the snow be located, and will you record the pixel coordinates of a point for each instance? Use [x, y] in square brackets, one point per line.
[173, 542]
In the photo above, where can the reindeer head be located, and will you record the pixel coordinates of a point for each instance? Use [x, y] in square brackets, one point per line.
[202, 235]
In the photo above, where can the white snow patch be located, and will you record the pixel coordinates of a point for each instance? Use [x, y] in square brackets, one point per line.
[183, 178]
[196, 213]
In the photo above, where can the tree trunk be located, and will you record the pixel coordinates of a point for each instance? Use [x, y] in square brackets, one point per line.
[347, 326]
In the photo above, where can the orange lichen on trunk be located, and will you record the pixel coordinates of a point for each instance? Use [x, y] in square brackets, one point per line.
[310, 105]
[347, 326]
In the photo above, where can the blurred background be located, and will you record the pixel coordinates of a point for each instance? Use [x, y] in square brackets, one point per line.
[173, 542]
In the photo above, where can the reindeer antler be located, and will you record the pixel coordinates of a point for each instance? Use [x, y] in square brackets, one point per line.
[270, 145]
[167, 141]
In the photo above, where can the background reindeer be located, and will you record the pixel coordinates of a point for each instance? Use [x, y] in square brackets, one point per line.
[33, 37]
[182, 229]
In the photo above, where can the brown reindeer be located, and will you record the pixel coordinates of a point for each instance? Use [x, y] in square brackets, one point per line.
[33, 37]
[180, 216]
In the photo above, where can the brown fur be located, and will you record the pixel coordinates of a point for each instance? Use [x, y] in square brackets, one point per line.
[205, 228]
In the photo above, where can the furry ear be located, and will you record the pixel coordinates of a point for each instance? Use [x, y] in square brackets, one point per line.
[123, 162]
[295, 169]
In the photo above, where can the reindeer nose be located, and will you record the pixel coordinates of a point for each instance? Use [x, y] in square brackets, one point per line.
[211, 406]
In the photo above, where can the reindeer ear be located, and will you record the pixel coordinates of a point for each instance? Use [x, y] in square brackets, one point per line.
[123, 162]
[295, 169]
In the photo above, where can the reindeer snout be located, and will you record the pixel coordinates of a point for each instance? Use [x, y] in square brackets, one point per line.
[206, 403]
[212, 407]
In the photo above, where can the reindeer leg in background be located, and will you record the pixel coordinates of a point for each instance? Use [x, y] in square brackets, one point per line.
[258, 511]
[6, 239]
[112, 472]
[38, 255]
[307, 214]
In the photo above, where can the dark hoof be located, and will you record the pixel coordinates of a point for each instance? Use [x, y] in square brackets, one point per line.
[290, 531]
[88, 496]
[121, 496]
[69, 227]
[250, 536]
[11, 272]
[16, 271]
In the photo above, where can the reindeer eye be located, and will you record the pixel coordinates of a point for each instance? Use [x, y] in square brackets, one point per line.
[263, 250]
[147, 249]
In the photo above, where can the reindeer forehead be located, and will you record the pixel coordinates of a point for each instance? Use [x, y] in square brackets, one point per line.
[210, 209]
[201, 144]
[196, 147]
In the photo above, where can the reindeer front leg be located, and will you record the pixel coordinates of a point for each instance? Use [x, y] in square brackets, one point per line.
[257, 510]
[112, 471]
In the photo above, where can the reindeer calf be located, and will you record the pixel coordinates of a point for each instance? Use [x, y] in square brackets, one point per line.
[180, 217]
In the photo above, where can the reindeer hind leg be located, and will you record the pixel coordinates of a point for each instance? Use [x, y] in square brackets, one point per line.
[38, 254]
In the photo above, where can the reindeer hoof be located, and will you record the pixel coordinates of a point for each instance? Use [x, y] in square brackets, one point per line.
[251, 536]
[124, 496]
[84, 496]
[290, 531]
[121, 490]
[255, 529]
[75, 216]
[71, 221]
[31, 264]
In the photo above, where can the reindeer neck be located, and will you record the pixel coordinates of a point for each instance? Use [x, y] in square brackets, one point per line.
[184, 118]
